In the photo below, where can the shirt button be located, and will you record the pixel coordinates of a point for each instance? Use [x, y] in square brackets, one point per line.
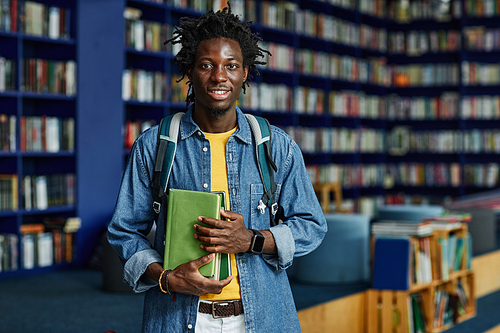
[199, 133]
[205, 148]
[190, 326]
[205, 185]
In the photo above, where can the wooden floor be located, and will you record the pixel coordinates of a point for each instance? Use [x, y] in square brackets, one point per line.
[347, 314]
[494, 330]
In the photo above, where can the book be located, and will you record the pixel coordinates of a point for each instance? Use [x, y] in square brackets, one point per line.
[183, 209]
[401, 228]
[391, 264]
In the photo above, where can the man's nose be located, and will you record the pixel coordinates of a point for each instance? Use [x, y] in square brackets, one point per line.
[219, 74]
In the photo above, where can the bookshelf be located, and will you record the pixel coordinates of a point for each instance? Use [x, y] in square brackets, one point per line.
[435, 304]
[38, 99]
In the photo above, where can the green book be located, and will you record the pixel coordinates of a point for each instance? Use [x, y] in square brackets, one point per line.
[223, 260]
[183, 210]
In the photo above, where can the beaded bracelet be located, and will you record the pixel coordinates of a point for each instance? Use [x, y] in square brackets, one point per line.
[167, 291]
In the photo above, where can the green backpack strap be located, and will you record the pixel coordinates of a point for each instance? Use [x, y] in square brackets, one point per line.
[261, 130]
[168, 131]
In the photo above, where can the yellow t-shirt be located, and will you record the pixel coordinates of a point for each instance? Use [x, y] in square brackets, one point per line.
[218, 143]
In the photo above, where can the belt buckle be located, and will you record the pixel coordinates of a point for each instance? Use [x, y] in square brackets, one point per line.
[213, 308]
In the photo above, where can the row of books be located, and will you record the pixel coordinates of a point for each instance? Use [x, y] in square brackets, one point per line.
[288, 16]
[267, 97]
[426, 75]
[356, 104]
[443, 174]
[247, 8]
[47, 134]
[8, 192]
[144, 35]
[406, 174]
[7, 74]
[49, 76]
[415, 43]
[9, 252]
[480, 107]
[407, 11]
[481, 39]
[43, 20]
[338, 139]
[399, 141]
[51, 242]
[279, 97]
[444, 106]
[144, 86]
[473, 141]
[477, 73]
[326, 65]
[348, 175]
[482, 8]
[446, 308]
[453, 254]
[449, 105]
[134, 128]
[8, 132]
[238, 7]
[43, 191]
[8, 15]
[340, 67]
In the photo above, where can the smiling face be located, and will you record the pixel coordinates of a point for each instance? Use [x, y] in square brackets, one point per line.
[217, 76]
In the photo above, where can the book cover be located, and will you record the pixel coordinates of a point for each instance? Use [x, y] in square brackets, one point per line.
[183, 210]
[392, 264]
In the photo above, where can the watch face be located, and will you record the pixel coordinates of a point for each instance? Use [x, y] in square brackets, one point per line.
[257, 242]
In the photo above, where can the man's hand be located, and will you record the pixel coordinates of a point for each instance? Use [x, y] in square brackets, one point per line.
[225, 236]
[187, 279]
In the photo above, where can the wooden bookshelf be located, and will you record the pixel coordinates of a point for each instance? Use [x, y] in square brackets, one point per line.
[396, 310]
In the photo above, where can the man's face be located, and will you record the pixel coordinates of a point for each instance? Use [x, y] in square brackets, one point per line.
[218, 75]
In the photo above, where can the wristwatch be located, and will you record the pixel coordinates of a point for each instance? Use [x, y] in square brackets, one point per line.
[257, 242]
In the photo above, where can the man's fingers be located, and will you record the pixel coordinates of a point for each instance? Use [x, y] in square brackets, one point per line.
[229, 214]
[203, 260]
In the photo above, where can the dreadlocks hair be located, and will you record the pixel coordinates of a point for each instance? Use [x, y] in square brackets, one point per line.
[223, 23]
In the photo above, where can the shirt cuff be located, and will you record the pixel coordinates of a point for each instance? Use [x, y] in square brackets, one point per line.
[285, 245]
[135, 267]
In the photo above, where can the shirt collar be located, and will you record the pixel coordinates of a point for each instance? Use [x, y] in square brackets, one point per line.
[188, 127]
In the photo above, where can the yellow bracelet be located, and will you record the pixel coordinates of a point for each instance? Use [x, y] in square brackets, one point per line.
[166, 282]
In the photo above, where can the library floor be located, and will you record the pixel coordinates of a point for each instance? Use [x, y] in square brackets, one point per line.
[73, 301]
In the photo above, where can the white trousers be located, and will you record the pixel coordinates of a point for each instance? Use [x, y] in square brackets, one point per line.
[205, 323]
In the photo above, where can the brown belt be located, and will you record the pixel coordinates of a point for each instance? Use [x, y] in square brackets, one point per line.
[222, 308]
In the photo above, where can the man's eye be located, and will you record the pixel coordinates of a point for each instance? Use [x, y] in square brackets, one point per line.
[232, 66]
[205, 66]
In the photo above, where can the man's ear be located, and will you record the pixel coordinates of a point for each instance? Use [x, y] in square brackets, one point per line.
[189, 74]
[245, 74]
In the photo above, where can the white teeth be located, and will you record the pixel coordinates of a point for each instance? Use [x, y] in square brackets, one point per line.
[219, 92]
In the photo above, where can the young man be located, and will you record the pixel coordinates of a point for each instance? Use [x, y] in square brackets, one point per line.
[216, 151]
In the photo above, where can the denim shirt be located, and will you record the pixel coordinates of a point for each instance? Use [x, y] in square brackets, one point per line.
[266, 295]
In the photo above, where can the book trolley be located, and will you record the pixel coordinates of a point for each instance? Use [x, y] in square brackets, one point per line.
[448, 299]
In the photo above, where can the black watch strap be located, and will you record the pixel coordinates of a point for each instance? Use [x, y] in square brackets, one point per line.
[257, 244]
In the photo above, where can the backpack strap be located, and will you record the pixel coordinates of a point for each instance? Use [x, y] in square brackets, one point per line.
[261, 130]
[168, 131]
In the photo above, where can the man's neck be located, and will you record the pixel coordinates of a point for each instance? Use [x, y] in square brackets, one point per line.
[211, 124]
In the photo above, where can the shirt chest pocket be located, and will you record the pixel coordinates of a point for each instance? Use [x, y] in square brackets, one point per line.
[260, 215]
